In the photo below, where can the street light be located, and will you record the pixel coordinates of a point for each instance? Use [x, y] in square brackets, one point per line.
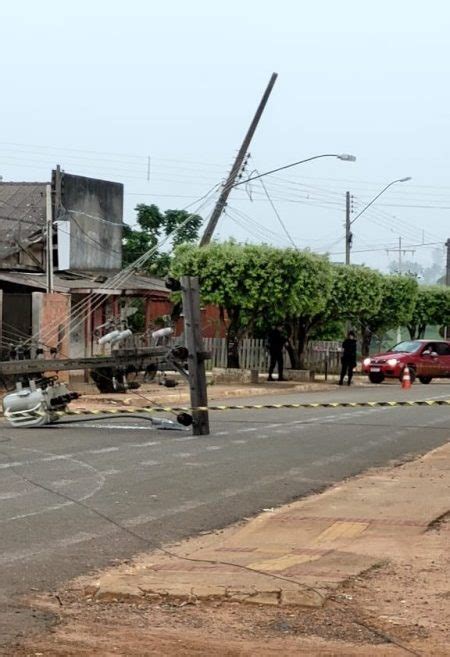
[348, 222]
[230, 184]
[345, 157]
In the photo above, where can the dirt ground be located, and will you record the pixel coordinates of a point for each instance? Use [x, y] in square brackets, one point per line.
[396, 608]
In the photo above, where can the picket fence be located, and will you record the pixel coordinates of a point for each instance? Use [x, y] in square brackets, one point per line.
[253, 354]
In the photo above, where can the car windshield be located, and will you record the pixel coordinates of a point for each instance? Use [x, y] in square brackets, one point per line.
[406, 347]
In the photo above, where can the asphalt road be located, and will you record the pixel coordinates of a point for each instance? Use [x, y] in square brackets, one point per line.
[75, 497]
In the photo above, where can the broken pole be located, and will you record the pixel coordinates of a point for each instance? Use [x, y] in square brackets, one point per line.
[190, 291]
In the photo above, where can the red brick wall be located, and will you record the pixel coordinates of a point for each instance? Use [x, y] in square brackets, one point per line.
[52, 312]
[212, 326]
[54, 316]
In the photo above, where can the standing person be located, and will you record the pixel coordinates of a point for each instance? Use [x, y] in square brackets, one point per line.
[276, 340]
[348, 358]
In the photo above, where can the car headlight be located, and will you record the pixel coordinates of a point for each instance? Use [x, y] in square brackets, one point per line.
[366, 361]
[392, 362]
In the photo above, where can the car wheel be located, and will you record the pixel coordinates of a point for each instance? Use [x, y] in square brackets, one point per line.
[412, 374]
[425, 379]
[376, 377]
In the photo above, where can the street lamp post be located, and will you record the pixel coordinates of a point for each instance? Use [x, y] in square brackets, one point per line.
[230, 184]
[349, 223]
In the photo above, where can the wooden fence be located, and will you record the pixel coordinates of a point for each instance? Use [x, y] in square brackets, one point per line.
[253, 354]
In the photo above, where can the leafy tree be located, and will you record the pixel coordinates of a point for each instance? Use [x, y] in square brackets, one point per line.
[154, 225]
[255, 285]
[432, 308]
[398, 299]
[354, 293]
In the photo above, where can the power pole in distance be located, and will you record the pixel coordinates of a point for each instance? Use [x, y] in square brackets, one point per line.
[49, 238]
[400, 251]
[447, 281]
[190, 291]
[236, 168]
[348, 225]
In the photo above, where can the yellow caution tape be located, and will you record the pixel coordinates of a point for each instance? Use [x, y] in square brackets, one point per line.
[251, 407]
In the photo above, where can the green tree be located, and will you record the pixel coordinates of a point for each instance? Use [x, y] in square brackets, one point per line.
[432, 308]
[398, 299]
[154, 225]
[354, 292]
[255, 285]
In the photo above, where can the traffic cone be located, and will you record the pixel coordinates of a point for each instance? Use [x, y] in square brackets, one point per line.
[406, 378]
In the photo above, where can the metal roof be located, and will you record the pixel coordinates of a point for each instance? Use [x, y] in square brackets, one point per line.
[87, 284]
[22, 211]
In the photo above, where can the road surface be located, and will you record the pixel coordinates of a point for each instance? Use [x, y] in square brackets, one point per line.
[75, 497]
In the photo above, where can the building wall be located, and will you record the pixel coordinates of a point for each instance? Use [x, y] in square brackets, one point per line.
[212, 326]
[93, 211]
[50, 318]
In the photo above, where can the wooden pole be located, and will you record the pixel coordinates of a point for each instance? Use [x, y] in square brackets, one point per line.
[236, 168]
[49, 239]
[190, 291]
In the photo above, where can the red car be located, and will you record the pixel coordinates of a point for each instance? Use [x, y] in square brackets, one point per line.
[426, 360]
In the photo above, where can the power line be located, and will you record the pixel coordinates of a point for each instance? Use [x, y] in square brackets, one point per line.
[277, 214]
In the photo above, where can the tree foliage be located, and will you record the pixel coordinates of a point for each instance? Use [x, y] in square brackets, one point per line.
[154, 225]
[255, 285]
[398, 298]
[352, 292]
[432, 308]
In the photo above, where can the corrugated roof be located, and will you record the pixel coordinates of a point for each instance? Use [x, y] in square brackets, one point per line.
[22, 211]
[77, 283]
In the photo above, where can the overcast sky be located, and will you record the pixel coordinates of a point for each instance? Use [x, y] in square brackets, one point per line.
[100, 86]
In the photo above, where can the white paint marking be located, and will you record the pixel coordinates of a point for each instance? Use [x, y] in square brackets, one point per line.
[151, 443]
[10, 496]
[103, 450]
[138, 427]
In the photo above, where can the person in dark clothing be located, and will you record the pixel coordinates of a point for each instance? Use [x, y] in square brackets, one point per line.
[276, 340]
[348, 358]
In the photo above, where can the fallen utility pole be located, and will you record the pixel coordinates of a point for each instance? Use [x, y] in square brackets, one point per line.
[190, 291]
[236, 168]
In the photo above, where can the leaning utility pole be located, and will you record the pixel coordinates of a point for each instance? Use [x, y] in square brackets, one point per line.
[236, 168]
[190, 291]
[348, 226]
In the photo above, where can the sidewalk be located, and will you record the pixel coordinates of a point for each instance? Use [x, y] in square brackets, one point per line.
[360, 570]
[150, 394]
[299, 554]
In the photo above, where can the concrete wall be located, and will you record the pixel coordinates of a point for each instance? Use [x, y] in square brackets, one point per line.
[94, 214]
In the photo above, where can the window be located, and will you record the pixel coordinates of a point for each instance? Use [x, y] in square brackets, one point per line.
[407, 347]
[442, 348]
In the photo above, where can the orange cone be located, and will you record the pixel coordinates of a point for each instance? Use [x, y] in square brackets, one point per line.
[406, 378]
